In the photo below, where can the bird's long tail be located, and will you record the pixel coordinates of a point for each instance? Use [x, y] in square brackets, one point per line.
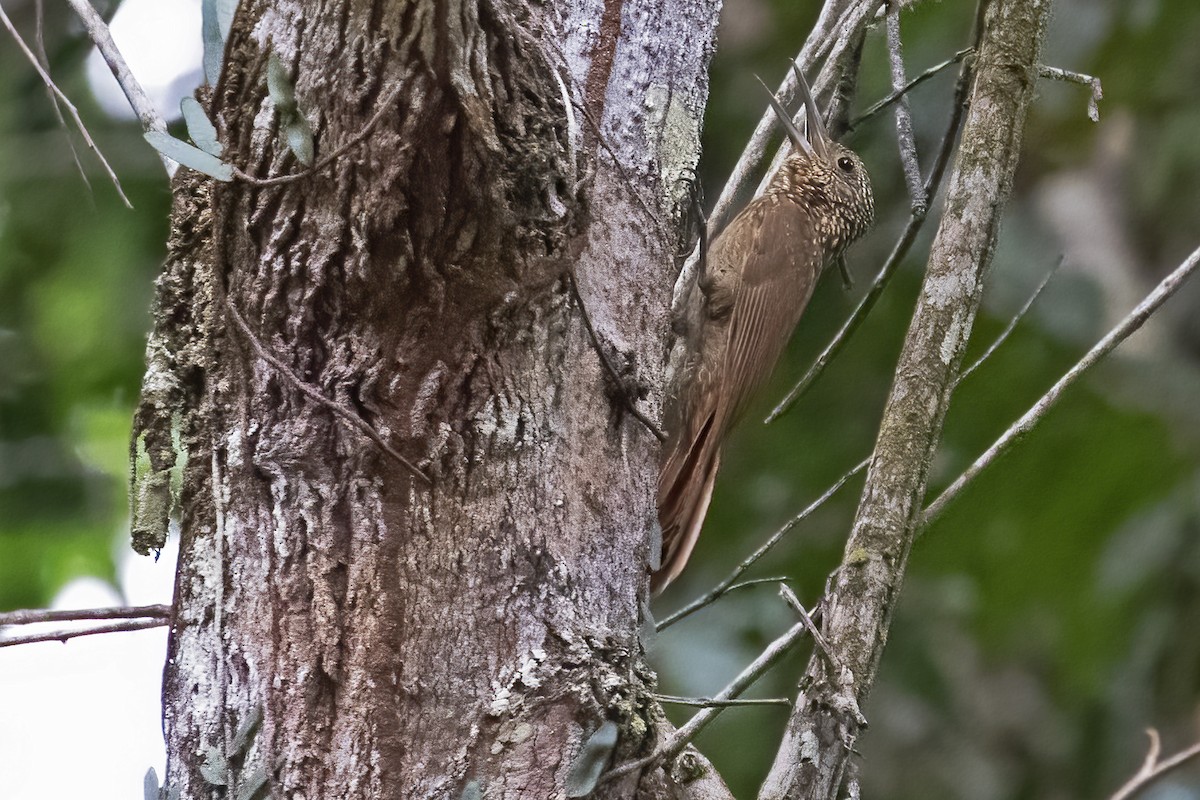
[685, 486]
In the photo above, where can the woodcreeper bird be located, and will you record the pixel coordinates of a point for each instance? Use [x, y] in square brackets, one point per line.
[756, 279]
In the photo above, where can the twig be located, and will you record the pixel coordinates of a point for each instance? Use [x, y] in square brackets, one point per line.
[819, 642]
[908, 87]
[139, 101]
[1153, 769]
[729, 583]
[690, 729]
[32, 616]
[630, 402]
[1034, 415]
[318, 398]
[899, 251]
[708, 702]
[1012, 325]
[1054, 73]
[62, 636]
[904, 127]
[46, 79]
[321, 164]
[43, 59]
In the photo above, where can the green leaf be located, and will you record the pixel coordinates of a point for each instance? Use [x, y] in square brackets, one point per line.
[589, 764]
[300, 139]
[200, 127]
[253, 785]
[214, 41]
[245, 732]
[280, 86]
[214, 768]
[150, 785]
[189, 156]
[472, 791]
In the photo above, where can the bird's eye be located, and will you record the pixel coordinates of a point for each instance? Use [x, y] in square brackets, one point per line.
[846, 164]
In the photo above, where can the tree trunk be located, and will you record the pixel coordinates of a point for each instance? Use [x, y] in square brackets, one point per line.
[459, 636]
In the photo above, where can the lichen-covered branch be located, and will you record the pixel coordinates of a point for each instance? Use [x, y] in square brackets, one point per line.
[820, 736]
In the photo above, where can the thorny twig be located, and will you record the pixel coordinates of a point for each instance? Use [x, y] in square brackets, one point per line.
[1037, 412]
[1152, 769]
[46, 79]
[318, 398]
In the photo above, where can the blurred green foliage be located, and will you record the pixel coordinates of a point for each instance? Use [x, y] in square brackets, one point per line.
[1049, 616]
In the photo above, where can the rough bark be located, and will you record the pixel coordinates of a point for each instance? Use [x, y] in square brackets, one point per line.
[459, 638]
[820, 736]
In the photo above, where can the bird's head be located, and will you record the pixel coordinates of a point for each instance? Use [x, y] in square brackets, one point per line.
[826, 178]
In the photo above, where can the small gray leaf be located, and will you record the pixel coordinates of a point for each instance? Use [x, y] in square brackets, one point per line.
[592, 758]
[150, 785]
[245, 732]
[280, 86]
[189, 156]
[300, 139]
[214, 42]
[252, 785]
[472, 791]
[200, 127]
[214, 767]
[225, 11]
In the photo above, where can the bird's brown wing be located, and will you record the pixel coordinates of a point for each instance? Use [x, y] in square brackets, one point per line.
[775, 270]
[779, 270]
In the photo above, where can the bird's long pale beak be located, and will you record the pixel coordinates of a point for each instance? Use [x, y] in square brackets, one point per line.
[817, 135]
[799, 140]
[815, 140]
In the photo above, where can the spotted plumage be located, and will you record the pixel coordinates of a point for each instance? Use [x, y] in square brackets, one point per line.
[759, 275]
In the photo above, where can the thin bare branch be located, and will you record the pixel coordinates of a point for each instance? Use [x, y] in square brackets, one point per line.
[1153, 769]
[1093, 83]
[32, 616]
[730, 582]
[904, 128]
[708, 702]
[1012, 325]
[74, 633]
[311, 393]
[690, 729]
[886, 102]
[74, 112]
[1037, 412]
[39, 40]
